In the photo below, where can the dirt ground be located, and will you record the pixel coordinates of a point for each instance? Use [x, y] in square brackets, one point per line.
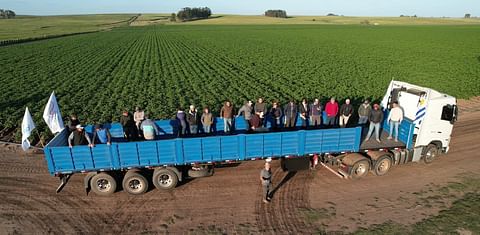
[230, 202]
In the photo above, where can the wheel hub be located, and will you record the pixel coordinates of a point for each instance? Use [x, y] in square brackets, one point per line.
[103, 185]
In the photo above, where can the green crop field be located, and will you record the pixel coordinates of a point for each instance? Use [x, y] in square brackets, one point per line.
[168, 66]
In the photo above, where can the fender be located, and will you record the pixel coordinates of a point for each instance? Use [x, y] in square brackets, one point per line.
[86, 181]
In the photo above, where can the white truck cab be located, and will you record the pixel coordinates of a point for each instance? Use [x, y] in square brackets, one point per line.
[433, 113]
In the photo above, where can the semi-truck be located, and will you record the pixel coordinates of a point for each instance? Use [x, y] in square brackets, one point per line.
[424, 134]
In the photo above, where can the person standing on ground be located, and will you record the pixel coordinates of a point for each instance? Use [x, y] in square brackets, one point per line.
[149, 128]
[227, 114]
[260, 109]
[345, 113]
[290, 111]
[315, 113]
[375, 118]
[276, 115]
[395, 117]
[138, 117]
[79, 137]
[331, 108]
[128, 125]
[363, 112]
[304, 111]
[247, 111]
[207, 120]
[266, 180]
[182, 123]
[192, 119]
[101, 135]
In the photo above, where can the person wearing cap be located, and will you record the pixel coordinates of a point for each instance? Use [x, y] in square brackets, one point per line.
[266, 181]
[375, 118]
[128, 125]
[79, 137]
[331, 108]
[101, 135]
[290, 112]
[346, 111]
[247, 111]
[363, 112]
[192, 119]
[149, 128]
[226, 113]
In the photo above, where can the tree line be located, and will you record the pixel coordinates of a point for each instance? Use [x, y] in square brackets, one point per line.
[7, 14]
[276, 13]
[195, 13]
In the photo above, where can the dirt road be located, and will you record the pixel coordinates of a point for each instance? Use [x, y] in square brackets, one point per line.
[229, 202]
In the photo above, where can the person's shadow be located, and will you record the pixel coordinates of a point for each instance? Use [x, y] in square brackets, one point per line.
[285, 179]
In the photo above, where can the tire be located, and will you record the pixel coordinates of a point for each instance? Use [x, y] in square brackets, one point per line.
[199, 173]
[360, 169]
[103, 184]
[382, 165]
[164, 179]
[431, 152]
[135, 183]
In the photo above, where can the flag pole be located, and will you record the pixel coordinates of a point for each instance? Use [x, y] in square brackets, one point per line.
[40, 140]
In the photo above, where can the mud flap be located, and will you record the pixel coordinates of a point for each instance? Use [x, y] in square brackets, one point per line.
[63, 181]
[295, 164]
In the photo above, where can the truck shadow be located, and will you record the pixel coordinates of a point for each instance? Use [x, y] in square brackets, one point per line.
[285, 179]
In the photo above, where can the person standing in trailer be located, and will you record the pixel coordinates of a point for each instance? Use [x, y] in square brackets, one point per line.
[227, 114]
[363, 112]
[290, 112]
[149, 128]
[375, 118]
[276, 115]
[395, 118]
[138, 117]
[192, 119]
[182, 123]
[128, 125]
[101, 135]
[315, 113]
[247, 112]
[207, 120]
[304, 111]
[331, 108]
[345, 113]
[79, 137]
[260, 109]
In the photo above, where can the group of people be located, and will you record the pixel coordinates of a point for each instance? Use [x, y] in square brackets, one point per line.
[138, 125]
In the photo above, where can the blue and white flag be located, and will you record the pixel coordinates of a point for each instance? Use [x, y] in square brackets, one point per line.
[52, 115]
[27, 127]
[422, 110]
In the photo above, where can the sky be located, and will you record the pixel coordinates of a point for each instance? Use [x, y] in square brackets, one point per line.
[423, 8]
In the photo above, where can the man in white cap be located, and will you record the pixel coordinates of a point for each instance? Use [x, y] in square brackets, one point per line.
[79, 137]
[266, 179]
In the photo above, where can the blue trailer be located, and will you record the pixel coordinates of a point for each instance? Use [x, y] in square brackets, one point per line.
[169, 159]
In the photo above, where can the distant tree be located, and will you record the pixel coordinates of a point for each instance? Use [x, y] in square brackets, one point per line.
[331, 14]
[276, 13]
[187, 13]
[365, 22]
[173, 17]
[414, 16]
[467, 16]
[402, 15]
[7, 14]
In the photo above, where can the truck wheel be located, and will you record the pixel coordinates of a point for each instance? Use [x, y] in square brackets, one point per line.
[360, 169]
[430, 153]
[164, 179]
[199, 173]
[382, 165]
[135, 183]
[103, 184]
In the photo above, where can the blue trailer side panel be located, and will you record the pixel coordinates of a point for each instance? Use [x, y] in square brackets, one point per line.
[167, 152]
[128, 154]
[148, 154]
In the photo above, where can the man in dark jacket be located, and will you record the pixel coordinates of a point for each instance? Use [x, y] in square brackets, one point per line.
[316, 113]
[182, 123]
[79, 137]
[192, 119]
[226, 113]
[73, 122]
[290, 111]
[128, 125]
[275, 115]
[345, 113]
[304, 111]
[260, 109]
[375, 118]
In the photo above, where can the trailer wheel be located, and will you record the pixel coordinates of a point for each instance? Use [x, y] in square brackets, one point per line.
[103, 184]
[430, 153]
[135, 183]
[164, 179]
[360, 169]
[382, 165]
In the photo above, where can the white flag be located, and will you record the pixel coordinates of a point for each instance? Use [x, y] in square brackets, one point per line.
[27, 127]
[52, 115]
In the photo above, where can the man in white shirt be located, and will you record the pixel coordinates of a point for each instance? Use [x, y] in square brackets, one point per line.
[395, 118]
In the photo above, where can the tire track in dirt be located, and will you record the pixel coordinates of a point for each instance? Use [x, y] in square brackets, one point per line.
[282, 214]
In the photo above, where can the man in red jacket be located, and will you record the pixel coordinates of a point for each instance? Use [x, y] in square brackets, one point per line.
[331, 108]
